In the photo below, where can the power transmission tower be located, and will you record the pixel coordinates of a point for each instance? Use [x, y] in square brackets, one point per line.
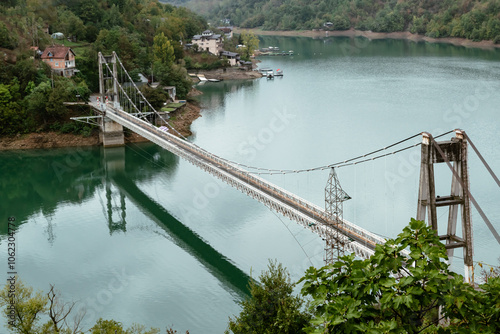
[334, 199]
[452, 151]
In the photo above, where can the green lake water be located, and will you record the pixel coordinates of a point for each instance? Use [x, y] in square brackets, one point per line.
[136, 234]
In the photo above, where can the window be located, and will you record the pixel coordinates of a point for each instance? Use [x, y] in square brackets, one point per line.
[57, 64]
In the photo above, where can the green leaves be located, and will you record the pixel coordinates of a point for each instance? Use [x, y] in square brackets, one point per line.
[272, 308]
[374, 296]
[163, 51]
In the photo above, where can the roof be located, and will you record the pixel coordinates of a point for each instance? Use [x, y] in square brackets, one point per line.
[57, 51]
[207, 34]
[227, 30]
[229, 54]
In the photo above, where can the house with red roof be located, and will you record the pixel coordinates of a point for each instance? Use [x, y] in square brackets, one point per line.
[61, 59]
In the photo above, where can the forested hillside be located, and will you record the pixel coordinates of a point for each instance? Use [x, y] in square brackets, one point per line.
[472, 19]
[31, 96]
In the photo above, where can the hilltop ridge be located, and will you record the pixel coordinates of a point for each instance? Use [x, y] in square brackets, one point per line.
[472, 19]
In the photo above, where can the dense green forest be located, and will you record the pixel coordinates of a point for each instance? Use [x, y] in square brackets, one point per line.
[31, 96]
[472, 19]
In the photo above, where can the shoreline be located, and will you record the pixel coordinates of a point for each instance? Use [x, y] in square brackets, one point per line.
[184, 117]
[406, 35]
[181, 120]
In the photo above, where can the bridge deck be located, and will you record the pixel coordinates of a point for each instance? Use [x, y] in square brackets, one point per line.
[355, 238]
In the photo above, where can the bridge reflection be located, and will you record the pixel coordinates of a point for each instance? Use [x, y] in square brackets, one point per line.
[216, 263]
[40, 182]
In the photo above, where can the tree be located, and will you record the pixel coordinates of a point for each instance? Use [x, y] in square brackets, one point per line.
[156, 97]
[58, 312]
[24, 309]
[37, 101]
[69, 24]
[272, 309]
[174, 75]
[6, 41]
[398, 292]
[163, 51]
[11, 113]
[251, 43]
[107, 326]
[114, 327]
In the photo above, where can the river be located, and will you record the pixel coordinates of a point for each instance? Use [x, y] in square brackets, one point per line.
[138, 235]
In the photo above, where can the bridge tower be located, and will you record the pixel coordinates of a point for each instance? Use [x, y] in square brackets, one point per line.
[111, 132]
[334, 199]
[454, 154]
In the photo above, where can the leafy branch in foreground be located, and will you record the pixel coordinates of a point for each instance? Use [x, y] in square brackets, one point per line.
[394, 292]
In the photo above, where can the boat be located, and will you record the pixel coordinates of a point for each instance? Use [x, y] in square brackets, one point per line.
[279, 73]
[270, 74]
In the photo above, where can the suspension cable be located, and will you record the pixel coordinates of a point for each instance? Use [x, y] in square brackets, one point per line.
[351, 161]
[124, 92]
[146, 101]
[261, 170]
[482, 159]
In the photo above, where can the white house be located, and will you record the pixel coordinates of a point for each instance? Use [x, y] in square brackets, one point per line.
[208, 41]
[232, 57]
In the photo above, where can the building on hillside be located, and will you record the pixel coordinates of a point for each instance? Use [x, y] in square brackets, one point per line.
[228, 31]
[232, 57]
[208, 41]
[61, 59]
[171, 90]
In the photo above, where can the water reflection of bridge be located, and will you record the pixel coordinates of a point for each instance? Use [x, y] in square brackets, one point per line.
[216, 263]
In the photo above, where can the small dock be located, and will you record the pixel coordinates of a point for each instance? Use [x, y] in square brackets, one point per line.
[202, 78]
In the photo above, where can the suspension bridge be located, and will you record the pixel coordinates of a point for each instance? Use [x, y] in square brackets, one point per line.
[122, 104]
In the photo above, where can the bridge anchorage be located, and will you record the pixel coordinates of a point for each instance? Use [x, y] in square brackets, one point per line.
[122, 104]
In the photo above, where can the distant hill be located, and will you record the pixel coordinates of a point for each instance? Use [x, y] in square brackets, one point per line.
[472, 19]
